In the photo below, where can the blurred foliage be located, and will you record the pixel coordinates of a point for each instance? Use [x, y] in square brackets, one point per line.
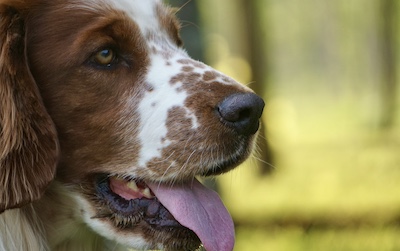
[336, 178]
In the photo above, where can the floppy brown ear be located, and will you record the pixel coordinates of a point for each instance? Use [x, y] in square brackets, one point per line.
[28, 143]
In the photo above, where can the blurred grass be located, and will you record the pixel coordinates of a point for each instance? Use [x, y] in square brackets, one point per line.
[296, 239]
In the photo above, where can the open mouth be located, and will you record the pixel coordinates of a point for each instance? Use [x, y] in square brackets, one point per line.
[130, 201]
[190, 212]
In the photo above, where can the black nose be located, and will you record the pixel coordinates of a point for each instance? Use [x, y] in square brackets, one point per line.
[241, 112]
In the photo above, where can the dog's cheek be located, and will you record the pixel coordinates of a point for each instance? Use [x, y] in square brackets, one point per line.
[175, 158]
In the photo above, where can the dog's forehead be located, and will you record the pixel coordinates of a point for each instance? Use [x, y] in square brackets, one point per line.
[142, 12]
[145, 13]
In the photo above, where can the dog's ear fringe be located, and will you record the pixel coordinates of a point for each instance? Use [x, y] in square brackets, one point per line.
[28, 140]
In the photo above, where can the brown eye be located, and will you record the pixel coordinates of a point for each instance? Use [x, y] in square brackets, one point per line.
[104, 57]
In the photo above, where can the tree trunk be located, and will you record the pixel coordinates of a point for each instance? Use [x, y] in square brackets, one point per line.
[388, 49]
[258, 57]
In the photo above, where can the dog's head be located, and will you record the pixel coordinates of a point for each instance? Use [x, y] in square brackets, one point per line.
[137, 119]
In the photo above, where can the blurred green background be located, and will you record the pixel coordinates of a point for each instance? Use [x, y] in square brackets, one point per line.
[326, 175]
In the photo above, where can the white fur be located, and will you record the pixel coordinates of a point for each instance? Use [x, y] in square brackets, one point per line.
[106, 229]
[143, 12]
[154, 108]
[20, 230]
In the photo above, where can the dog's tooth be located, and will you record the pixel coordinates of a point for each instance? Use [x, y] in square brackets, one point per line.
[118, 220]
[132, 185]
[146, 192]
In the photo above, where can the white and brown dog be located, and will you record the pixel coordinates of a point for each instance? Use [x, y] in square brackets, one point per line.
[104, 123]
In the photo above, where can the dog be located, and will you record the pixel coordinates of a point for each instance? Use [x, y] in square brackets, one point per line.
[105, 122]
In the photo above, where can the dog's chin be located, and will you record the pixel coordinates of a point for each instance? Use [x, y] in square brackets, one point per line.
[224, 165]
[130, 206]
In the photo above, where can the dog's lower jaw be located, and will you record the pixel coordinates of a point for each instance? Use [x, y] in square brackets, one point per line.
[73, 227]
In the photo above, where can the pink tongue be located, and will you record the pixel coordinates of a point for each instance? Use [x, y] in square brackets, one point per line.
[201, 210]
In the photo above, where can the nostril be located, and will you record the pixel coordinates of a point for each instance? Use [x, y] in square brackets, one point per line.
[234, 114]
[244, 114]
[241, 112]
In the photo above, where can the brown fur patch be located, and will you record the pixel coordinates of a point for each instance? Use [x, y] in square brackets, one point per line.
[86, 101]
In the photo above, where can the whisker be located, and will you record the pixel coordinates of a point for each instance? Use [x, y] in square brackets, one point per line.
[186, 23]
[262, 136]
[249, 83]
[187, 161]
[164, 160]
[172, 182]
[176, 10]
[166, 171]
[263, 161]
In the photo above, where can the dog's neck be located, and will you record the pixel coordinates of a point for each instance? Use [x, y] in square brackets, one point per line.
[59, 230]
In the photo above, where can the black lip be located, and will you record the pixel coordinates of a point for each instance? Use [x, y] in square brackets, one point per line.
[148, 210]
